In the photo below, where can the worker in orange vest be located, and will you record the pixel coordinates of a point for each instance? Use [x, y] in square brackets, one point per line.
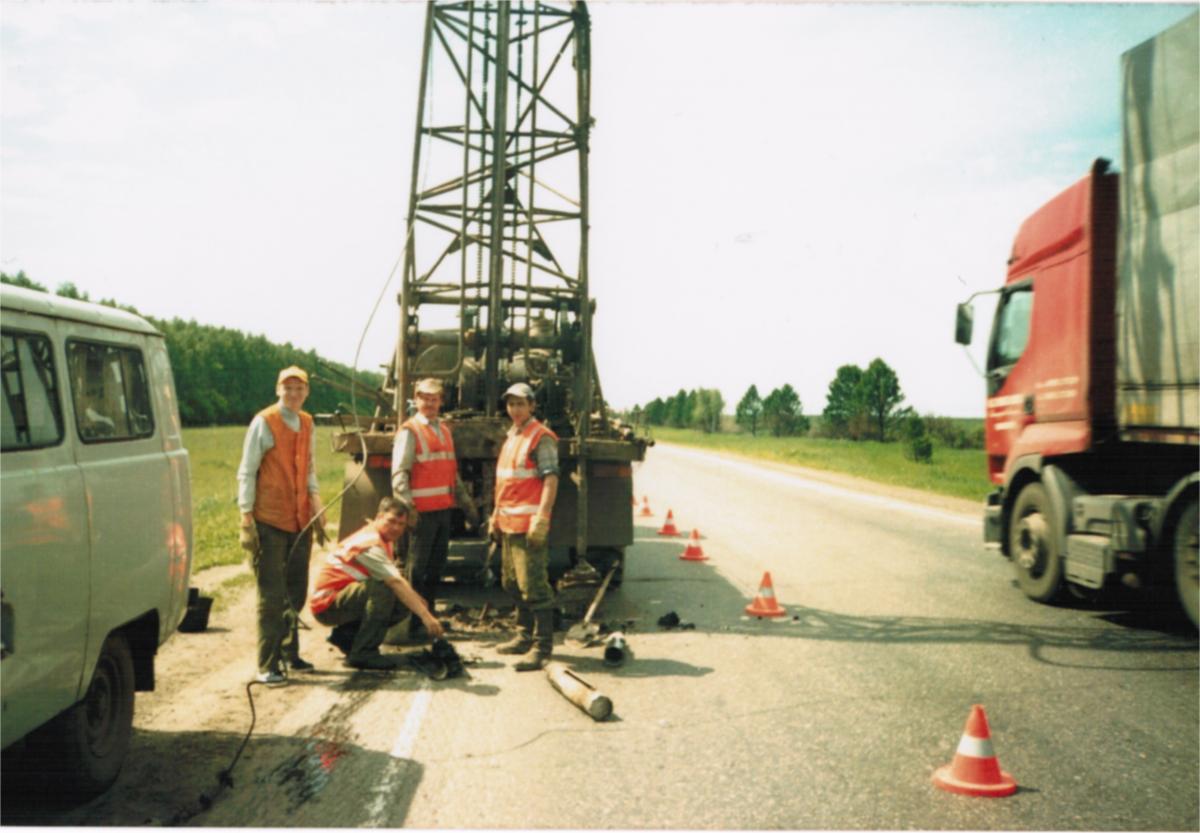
[278, 497]
[359, 585]
[425, 478]
[526, 487]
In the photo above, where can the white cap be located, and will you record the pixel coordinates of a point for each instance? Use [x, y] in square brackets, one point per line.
[519, 389]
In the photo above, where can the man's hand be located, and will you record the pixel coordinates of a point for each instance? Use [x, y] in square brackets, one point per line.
[539, 531]
[318, 511]
[472, 514]
[319, 532]
[248, 537]
[433, 626]
[493, 530]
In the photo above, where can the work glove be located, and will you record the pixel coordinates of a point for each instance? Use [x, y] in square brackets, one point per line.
[248, 538]
[319, 532]
[539, 531]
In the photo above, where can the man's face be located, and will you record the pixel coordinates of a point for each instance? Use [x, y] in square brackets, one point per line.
[391, 525]
[428, 404]
[519, 409]
[292, 393]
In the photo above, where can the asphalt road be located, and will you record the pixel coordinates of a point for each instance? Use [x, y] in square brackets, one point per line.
[833, 716]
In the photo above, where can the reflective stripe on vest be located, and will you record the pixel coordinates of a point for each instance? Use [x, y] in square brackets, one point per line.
[340, 569]
[281, 491]
[434, 466]
[518, 486]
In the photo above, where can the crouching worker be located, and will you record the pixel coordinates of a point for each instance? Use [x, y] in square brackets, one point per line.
[359, 586]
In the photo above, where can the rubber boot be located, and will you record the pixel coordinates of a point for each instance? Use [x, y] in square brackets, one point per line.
[543, 642]
[523, 641]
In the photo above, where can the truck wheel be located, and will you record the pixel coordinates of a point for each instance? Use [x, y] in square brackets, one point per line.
[1187, 562]
[1034, 546]
[90, 740]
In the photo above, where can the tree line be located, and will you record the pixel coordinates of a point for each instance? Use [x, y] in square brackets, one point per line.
[860, 404]
[224, 376]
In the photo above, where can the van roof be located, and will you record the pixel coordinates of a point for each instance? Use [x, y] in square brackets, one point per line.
[55, 306]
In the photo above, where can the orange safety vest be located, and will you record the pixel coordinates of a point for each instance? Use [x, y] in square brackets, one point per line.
[281, 494]
[434, 467]
[341, 568]
[518, 486]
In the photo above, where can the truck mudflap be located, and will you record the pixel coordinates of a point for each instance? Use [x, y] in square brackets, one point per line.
[992, 517]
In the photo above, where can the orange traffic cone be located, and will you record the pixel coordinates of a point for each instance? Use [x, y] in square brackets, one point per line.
[764, 603]
[646, 513]
[692, 551]
[668, 527]
[975, 770]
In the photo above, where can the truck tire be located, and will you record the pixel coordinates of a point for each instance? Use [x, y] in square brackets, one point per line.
[1187, 561]
[1034, 546]
[89, 741]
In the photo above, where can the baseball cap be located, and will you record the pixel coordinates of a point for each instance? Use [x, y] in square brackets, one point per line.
[292, 372]
[519, 389]
[433, 386]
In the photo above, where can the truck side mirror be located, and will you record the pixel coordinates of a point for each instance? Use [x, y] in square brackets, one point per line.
[964, 323]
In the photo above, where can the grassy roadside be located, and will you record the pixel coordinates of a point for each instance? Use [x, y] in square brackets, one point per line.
[215, 454]
[953, 472]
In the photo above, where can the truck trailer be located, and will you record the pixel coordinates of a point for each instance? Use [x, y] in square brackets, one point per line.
[1093, 368]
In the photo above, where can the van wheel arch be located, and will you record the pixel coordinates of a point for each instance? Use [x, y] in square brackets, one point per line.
[83, 749]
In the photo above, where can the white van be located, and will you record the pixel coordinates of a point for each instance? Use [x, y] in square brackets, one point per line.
[96, 530]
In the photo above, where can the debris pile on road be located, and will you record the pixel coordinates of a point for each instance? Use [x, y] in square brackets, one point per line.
[670, 621]
[440, 662]
[485, 619]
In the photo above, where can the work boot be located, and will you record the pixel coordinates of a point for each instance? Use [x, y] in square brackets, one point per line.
[523, 641]
[342, 636]
[543, 636]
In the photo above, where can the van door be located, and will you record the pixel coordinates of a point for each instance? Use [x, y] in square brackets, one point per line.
[125, 475]
[45, 580]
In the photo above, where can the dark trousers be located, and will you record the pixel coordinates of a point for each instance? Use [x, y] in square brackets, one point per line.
[281, 568]
[371, 605]
[427, 550]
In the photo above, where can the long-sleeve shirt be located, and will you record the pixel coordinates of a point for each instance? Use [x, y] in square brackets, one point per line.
[259, 440]
[404, 454]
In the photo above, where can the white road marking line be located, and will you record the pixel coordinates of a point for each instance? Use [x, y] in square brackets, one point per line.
[397, 765]
[800, 482]
[412, 723]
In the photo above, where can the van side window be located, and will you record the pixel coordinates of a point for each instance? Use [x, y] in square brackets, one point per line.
[31, 414]
[110, 390]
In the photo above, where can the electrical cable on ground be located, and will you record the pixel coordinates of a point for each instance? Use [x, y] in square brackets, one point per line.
[225, 776]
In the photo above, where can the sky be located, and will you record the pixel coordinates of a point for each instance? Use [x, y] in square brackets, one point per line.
[776, 189]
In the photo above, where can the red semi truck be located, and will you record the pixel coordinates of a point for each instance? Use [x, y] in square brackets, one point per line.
[1093, 367]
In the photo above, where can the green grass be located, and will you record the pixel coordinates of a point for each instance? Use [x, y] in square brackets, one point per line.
[953, 472]
[215, 454]
[227, 591]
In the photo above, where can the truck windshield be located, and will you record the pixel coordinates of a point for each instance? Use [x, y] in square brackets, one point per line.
[1012, 328]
